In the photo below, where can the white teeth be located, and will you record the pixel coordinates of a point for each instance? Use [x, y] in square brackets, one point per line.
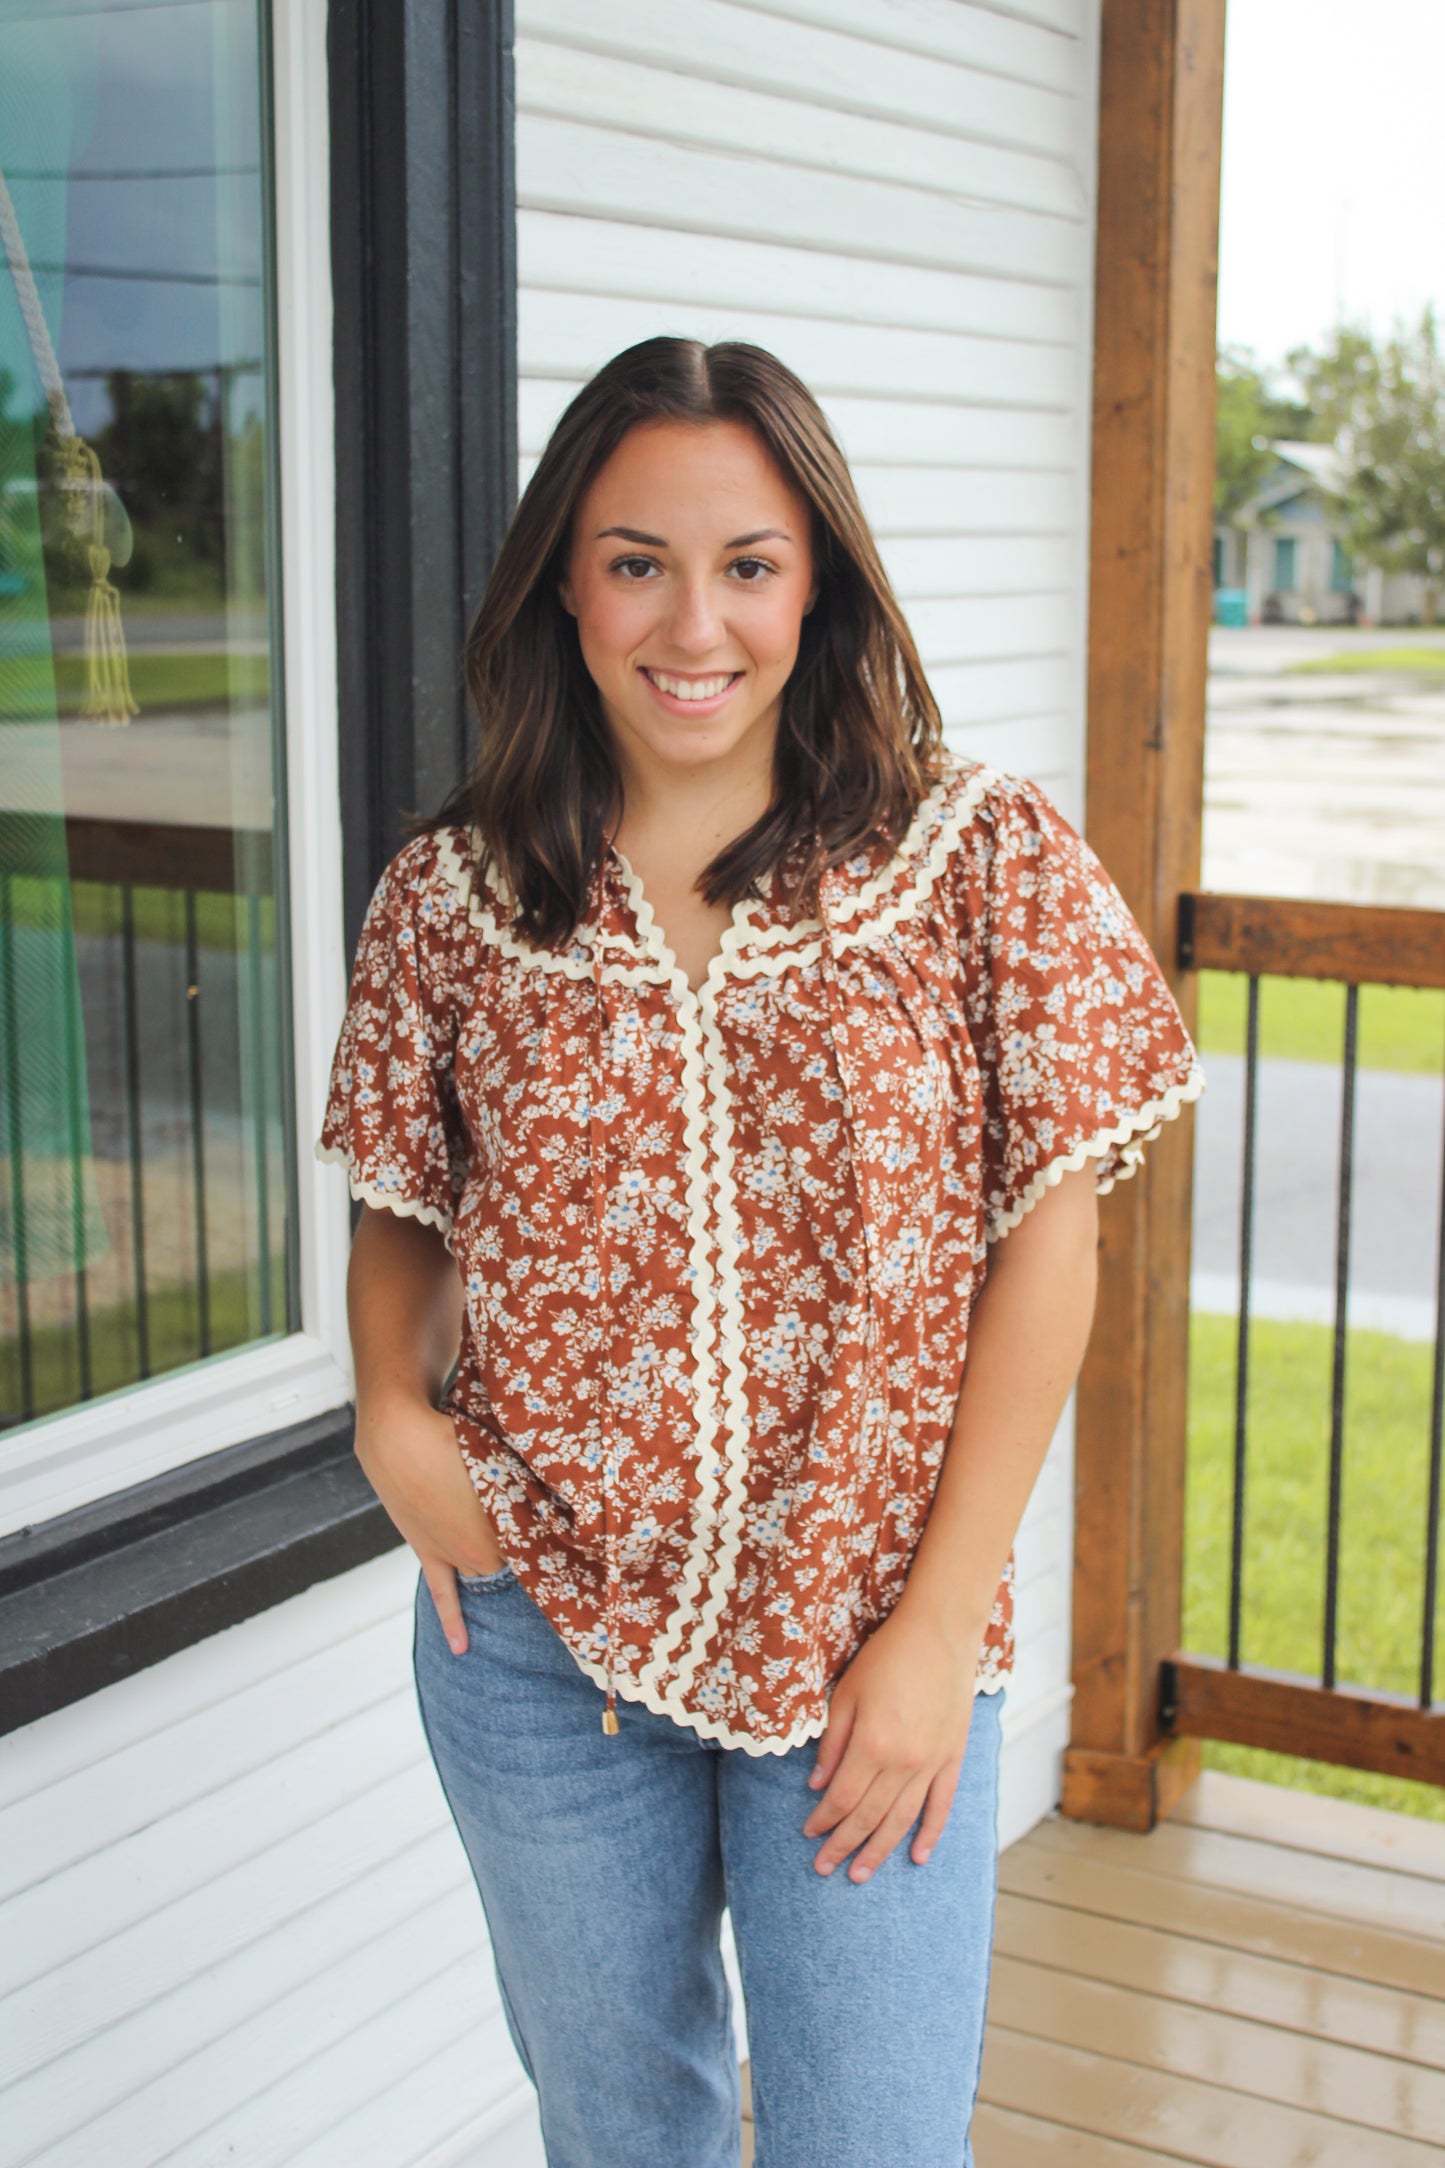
[691, 688]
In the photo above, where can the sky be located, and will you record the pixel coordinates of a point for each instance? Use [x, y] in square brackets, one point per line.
[1333, 195]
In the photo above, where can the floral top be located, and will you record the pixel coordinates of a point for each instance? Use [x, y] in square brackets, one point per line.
[720, 1249]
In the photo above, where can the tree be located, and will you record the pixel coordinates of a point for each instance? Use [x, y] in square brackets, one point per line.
[1335, 380]
[1384, 405]
[1248, 415]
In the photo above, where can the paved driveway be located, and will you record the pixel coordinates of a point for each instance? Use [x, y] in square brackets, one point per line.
[1395, 1219]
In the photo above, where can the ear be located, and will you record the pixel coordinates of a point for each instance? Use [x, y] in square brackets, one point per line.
[812, 598]
[565, 595]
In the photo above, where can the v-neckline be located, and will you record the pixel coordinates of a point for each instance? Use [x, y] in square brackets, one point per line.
[658, 949]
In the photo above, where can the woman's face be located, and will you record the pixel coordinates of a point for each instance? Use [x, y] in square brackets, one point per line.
[689, 574]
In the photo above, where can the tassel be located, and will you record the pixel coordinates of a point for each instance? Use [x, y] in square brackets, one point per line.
[609, 1716]
[108, 696]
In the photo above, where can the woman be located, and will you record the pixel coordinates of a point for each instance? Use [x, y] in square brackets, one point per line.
[698, 1054]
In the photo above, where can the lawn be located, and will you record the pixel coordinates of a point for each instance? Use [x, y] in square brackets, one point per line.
[158, 914]
[1400, 1027]
[173, 1316]
[1387, 1412]
[182, 679]
[1382, 1559]
[1410, 661]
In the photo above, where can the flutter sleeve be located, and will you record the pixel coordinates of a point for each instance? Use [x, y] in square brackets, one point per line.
[1082, 1049]
[392, 1116]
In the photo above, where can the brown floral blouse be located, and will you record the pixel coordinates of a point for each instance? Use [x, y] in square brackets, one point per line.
[720, 1249]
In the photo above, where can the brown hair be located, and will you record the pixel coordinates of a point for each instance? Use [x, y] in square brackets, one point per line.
[859, 736]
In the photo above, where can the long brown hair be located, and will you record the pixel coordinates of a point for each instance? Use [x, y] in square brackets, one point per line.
[859, 736]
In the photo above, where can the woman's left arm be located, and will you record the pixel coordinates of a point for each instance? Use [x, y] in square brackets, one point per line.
[899, 1714]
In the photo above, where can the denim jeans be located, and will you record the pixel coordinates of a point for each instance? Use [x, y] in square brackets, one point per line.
[604, 1865]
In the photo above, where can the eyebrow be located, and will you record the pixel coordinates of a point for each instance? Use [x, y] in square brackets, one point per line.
[656, 542]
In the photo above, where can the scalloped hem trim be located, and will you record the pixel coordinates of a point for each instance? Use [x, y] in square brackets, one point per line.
[629, 1689]
[1155, 1114]
[368, 1193]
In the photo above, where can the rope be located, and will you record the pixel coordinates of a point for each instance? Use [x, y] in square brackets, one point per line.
[108, 697]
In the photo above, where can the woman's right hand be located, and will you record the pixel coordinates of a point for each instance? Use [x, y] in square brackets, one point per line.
[409, 1454]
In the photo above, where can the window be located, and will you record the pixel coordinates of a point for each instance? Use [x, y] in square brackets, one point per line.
[1284, 564]
[1342, 570]
[150, 1192]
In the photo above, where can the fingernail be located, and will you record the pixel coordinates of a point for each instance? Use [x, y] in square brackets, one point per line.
[815, 1780]
[926, 1853]
[458, 1648]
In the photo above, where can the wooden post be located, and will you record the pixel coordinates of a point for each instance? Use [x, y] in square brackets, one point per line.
[1161, 105]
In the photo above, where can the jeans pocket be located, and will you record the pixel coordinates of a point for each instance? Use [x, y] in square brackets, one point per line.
[499, 1579]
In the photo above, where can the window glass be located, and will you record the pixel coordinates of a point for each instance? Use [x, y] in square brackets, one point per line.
[1342, 569]
[146, 1164]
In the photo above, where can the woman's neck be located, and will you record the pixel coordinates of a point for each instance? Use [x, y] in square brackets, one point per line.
[672, 818]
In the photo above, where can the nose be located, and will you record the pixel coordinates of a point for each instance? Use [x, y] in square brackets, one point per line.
[696, 626]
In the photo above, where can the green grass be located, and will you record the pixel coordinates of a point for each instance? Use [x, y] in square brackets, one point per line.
[1382, 1558]
[192, 678]
[174, 1320]
[222, 920]
[1419, 661]
[1400, 1027]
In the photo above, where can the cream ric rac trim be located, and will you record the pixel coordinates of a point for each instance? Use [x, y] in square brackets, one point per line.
[370, 1193]
[665, 967]
[775, 949]
[1156, 1113]
[708, 1727]
[945, 843]
[705, 1066]
[735, 1395]
[802, 944]
[950, 828]
[576, 963]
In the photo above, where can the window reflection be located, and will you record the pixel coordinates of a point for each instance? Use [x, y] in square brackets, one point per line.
[145, 1165]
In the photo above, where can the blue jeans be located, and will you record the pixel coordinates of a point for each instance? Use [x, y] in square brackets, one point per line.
[604, 1865]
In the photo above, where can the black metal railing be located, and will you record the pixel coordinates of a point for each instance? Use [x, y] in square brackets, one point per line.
[1350, 946]
[139, 896]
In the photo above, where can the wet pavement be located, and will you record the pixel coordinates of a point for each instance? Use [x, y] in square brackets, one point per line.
[1330, 785]
[1322, 783]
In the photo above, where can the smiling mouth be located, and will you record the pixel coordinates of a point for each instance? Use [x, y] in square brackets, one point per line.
[701, 688]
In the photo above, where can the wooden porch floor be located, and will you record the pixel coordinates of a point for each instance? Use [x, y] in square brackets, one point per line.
[1258, 1983]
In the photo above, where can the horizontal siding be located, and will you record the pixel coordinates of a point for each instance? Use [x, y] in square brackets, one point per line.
[772, 125]
[236, 1911]
[585, 253]
[834, 354]
[561, 164]
[1036, 41]
[821, 69]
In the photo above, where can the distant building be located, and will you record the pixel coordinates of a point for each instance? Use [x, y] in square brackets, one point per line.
[1288, 550]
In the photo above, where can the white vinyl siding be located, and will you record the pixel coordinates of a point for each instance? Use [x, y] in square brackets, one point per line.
[235, 1922]
[238, 1924]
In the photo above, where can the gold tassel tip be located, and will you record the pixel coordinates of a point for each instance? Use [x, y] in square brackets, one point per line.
[609, 1722]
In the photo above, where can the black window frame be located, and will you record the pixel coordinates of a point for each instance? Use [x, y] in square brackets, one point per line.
[423, 257]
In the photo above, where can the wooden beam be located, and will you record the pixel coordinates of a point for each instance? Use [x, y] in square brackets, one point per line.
[1354, 1727]
[1160, 113]
[1362, 944]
